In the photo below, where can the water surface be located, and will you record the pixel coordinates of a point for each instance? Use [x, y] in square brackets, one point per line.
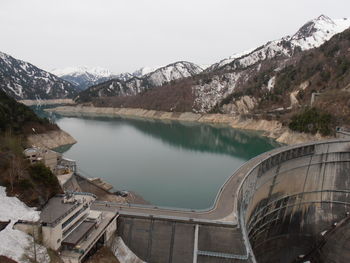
[168, 163]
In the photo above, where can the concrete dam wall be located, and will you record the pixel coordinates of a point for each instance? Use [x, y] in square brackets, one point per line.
[289, 200]
[288, 205]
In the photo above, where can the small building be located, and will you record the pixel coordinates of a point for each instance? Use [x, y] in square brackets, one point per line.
[47, 157]
[54, 160]
[72, 228]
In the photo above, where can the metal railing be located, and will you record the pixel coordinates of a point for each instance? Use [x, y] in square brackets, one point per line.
[222, 255]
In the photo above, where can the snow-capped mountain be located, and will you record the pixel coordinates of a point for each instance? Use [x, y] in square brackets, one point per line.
[22, 80]
[136, 85]
[230, 74]
[84, 77]
[97, 72]
[144, 71]
[173, 71]
[311, 35]
[231, 86]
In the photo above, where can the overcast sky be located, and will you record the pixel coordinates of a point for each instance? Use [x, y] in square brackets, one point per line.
[123, 35]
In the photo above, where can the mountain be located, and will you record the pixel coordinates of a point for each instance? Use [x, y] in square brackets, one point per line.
[313, 86]
[84, 77]
[144, 71]
[19, 118]
[227, 79]
[276, 78]
[311, 35]
[22, 80]
[136, 85]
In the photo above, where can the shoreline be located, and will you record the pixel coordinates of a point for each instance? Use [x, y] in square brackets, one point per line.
[271, 129]
[47, 102]
[51, 139]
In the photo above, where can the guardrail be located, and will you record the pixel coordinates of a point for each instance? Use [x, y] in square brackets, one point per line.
[168, 208]
[221, 255]
[177, 219]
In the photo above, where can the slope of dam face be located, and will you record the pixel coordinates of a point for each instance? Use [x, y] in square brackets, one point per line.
[293, 202]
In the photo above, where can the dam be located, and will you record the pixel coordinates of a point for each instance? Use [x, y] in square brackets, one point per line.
[287, 205]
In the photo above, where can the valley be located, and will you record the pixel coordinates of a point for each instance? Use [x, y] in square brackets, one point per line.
[243, 159]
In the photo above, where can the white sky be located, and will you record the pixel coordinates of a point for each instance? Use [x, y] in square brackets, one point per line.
[123, 35]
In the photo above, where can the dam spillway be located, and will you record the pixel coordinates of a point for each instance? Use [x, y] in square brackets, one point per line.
[287, 205]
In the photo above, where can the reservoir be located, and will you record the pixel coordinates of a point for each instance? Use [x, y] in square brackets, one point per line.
[172, 164]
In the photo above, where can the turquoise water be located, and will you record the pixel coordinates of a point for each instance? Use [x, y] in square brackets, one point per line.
[167, 163]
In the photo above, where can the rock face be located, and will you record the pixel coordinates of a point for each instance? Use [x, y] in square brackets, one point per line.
[22, 80]
[136, 85]
[52, 139]
[242, 105]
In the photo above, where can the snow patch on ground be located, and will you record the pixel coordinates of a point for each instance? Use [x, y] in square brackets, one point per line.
[271, 83]
[16, 244]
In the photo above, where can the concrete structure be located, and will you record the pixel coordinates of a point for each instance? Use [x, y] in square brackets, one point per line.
[98, 181]
[288, 205]
[54, 160]
[47, 157]
[61, 215]
[71, 227]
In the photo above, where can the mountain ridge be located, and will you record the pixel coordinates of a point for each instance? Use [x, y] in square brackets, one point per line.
[137, 85]
[312, 34]
[275, 87]
[22, 80]
[84, 77]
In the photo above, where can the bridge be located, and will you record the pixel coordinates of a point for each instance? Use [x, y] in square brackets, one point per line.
[281, 206]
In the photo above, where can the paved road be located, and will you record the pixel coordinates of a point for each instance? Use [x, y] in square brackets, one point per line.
[224, 210]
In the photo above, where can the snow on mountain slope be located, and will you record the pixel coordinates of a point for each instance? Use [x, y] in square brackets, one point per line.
[136, 85]
[311, 35]
[14, 243]
[316, 32]
[144, 71]
[220, 85]
[23, 80]
[174, 71]
[84, 77]
[98, 72]
[228, 60]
